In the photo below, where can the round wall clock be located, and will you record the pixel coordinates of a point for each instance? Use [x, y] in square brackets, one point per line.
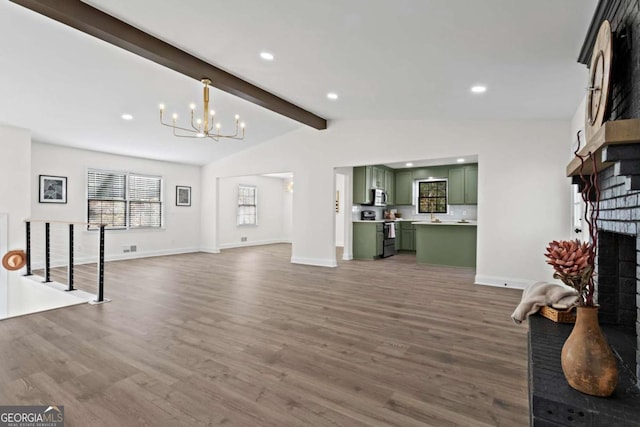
[599, 73]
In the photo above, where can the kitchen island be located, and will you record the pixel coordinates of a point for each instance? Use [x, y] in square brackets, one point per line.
[446, 243]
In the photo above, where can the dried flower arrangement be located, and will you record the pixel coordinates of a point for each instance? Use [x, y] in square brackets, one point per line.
[572, 260]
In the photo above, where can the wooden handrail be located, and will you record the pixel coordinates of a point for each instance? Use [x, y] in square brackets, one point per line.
[53, 221]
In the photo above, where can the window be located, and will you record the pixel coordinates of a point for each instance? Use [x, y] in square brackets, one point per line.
[247, 205]
[432, 196]
[123, 200]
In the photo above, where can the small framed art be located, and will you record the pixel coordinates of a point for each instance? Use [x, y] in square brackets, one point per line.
[183, 195]
[53, 189]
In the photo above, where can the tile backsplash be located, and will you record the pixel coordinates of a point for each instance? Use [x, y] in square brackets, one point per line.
[456, 212]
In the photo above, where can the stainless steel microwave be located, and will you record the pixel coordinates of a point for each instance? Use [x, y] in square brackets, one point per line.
[378, 197]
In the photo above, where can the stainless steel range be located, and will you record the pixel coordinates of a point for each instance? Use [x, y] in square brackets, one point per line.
[389, 243]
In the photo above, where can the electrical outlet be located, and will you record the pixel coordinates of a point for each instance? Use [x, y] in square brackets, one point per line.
[243, 239]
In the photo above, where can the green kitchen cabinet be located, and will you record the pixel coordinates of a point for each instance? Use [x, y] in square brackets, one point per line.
[407, 236]
[446, 244]
[404, 188]
[456, 186]
[471, 185]
[378, 178]
[398, 240]
[463, 185]
[430, 172]
[368, 240]
[390, 186]
[362, 177]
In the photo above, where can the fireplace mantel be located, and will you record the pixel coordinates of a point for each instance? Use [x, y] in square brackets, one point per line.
[615, 132]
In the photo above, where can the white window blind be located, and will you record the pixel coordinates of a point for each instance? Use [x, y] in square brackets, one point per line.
[247, 205]
[106, 202]
[121, 200]
[145, 201]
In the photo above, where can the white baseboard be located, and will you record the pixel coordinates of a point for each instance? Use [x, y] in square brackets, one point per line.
[210, 250]
[55, 263]
[147, 254]
[320, 262]
[503, 282]
[347, 256]
[252, 243]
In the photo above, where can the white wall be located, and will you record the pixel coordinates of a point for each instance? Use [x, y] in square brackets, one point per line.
[180, 232]
[274, 212]
[287, 211]
[340, 223]
[523, 195]
[15, 155]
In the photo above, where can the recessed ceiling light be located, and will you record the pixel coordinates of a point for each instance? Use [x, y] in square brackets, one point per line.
[408, 164]
[266, 56]
[127, 117]
[332, 96]
[479, 89]
[460, 160]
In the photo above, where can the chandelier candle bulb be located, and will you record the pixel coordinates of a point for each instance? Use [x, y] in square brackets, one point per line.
[202, 127]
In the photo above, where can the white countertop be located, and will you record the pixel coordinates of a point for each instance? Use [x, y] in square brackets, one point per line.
[419, 222]
[468, 223]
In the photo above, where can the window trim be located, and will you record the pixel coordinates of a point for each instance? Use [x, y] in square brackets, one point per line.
[255, 205]
[417, 196]
[127, 200]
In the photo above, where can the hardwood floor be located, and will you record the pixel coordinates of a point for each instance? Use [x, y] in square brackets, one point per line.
[245, 338]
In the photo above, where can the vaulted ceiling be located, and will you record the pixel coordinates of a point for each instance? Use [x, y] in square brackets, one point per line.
[406, 59]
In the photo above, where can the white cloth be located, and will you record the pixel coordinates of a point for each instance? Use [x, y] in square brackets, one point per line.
[540, 294]
[392, 231]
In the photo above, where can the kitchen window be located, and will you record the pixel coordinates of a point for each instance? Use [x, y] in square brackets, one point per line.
[432, 196]
[123, 200]
[247, 205]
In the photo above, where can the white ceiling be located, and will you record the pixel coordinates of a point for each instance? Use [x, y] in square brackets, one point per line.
[402, 59]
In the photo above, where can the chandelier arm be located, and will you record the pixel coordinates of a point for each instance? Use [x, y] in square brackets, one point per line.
[197, 129]
[234, 135]
[176, 127]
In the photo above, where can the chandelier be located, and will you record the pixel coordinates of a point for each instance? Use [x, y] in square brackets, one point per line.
[202, 127]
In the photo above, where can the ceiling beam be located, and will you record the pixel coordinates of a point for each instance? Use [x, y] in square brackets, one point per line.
[92, 21]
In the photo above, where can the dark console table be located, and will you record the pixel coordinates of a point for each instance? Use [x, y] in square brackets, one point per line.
[553, 403]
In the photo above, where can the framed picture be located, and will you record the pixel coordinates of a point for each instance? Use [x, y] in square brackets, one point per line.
[183, 195]
[53, 189]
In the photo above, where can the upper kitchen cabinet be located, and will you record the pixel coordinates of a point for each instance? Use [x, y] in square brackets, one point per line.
[378, 178]
[390, 186]
[404, 188]
[430, 172]
[463, 185]
[367, 177]
[362, 177]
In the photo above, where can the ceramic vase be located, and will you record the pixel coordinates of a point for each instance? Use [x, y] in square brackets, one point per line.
[587, 360]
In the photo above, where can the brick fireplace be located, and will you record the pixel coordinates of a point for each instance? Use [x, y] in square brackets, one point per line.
[552, 401]
[618, 264]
